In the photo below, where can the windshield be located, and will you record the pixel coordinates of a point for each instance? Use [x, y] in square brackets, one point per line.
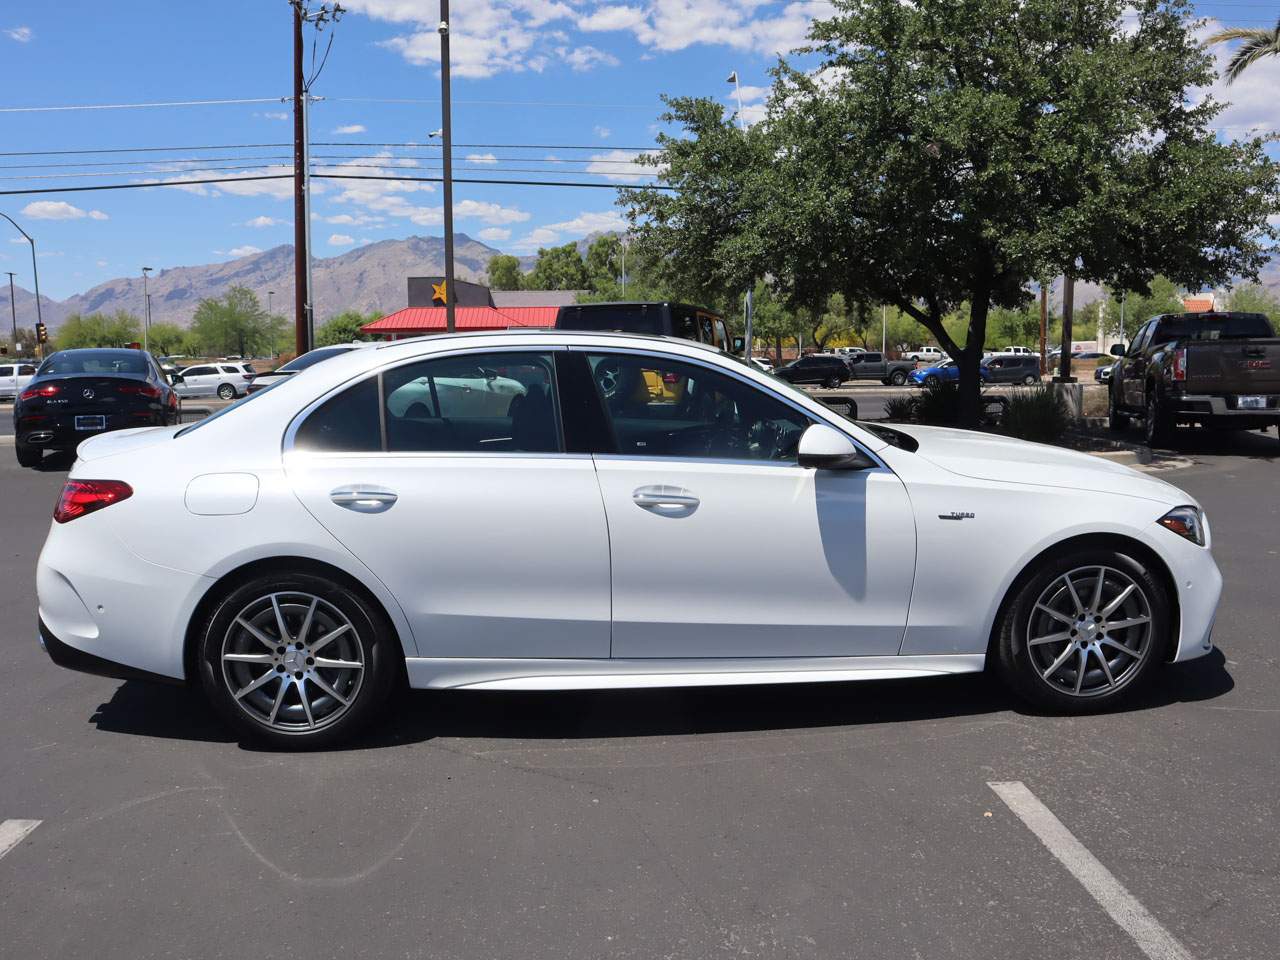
[1227, 326]
[95, 361]
[311, 358]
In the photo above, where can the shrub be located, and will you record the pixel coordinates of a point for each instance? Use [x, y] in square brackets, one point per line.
[901, 409]
[1037, 413]
[939, 404]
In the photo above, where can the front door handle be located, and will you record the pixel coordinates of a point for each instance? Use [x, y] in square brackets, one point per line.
[661, 495]
[363, 498]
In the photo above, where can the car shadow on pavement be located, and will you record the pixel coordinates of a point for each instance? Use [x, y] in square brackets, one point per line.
[175, 713]
[1250, 444]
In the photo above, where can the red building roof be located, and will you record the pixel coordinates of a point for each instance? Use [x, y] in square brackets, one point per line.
[1198, 304]
[412, 320]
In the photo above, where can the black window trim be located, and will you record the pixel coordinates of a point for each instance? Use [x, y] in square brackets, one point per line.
[288, 441]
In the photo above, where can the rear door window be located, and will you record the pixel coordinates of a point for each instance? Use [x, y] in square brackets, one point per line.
[6, 371]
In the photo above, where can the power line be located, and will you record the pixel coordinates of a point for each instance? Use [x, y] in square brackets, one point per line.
[518, 183]
[491, 146]
[143, 186]
[499, 103]
[60, 153]
[133, 106]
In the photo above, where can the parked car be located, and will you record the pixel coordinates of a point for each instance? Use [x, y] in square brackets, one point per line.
[1219, 370]
[261, 381]
[946, 372]
[14, 377]
[1013, 368]
[876, 366]
[276, 558]
[925, 354]
[827, 370]
[665, 319]
[1019, 351]
[226, 380]
[1103, 374]
[845, 353]
[78, 393]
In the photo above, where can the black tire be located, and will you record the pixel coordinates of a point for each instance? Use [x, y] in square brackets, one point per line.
[1116, 421]
[931, 380]
[1158, 426]
[226, 391]
[898, 377]
[1030, 381]
[374, 643]
[28, 456]
[831, 383]
[1015, 659]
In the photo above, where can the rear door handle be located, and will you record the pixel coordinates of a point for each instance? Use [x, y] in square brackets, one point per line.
[661, 495]
[363, 498]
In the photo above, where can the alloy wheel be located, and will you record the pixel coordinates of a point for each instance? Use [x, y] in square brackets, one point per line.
[292, 662]
[1090, 631]
[226, 391]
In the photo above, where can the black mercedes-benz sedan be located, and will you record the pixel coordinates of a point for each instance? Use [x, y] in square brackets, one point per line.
[77, 393]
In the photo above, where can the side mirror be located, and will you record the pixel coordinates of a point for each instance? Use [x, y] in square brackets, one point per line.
[825, 448]
[1117, 349]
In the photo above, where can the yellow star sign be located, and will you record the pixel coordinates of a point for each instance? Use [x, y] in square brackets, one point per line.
[439, 294]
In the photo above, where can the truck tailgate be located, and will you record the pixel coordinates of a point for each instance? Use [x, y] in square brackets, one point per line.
[1233, 366]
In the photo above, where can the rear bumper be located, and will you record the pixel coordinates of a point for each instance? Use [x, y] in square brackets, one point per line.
[60, 433]
[65, 655]
[1221, 410]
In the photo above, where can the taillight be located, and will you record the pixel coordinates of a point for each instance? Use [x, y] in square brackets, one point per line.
[1180, 364]
[143, 389]
[44, 390]
[85, 496]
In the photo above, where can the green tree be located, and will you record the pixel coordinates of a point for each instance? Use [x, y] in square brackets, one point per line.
[558, 268]
[235, 323]
[1257, 45]
[1254, 298]
[98, 330]
[948, 152]
[344, 328]
[165, 338]
[505, 273]
[1128, 310]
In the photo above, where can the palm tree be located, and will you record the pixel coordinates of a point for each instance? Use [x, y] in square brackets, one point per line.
[1257, 44]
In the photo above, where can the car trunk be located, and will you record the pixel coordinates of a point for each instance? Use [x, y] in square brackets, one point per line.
[95, 394]
[1233, 366]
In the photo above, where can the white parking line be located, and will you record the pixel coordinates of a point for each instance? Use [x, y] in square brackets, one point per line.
[13, 832]
[1132, 917]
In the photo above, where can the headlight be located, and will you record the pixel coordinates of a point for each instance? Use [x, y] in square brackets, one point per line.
[1186, 522]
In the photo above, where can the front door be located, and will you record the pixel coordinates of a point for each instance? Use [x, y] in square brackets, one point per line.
[447, 479]
[721, 545]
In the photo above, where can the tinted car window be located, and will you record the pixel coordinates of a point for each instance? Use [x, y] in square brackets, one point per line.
[6, 371]
[1227, 327]
[660, 407]
[197, 371]
[474, 403]
[230, 369]
[95, 361]
[312, 357]
[345, 422]
[26, 370]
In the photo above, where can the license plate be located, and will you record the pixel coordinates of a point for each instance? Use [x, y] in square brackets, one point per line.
[1251, 403]
[91, 423]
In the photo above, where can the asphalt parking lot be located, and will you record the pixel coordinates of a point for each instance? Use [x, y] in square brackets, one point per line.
[845, 820]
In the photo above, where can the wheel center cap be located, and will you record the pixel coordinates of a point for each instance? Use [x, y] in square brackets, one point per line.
[295, 659]
[1088, 629]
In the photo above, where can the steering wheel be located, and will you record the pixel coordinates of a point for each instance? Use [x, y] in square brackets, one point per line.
[608, 374]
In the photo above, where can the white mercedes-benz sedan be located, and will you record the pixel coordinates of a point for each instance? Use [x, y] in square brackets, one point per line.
[303, 553]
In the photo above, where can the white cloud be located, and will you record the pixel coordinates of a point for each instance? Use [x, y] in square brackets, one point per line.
[341, 240]
[246, 250]
[100, 263]
[602, 132]
[620, 166]
[582, 59]
[494, 234]
[59, 210]
[488, 212]
[540, 237]
[274, 115]
[17, 240]
[21, 34]
[587, 222]
[236, 185]
[265, 221]
[481, 158]
[350, 128]
[612, 18]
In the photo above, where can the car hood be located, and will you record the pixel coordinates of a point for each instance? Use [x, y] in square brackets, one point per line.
[984, 456]
[123, 441]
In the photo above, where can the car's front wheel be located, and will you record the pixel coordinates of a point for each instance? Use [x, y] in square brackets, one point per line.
[297, 660]
[831, 383]
[1085, 631]
[898, 378]
[931, 380]
[1116, 420]
[1158, 425]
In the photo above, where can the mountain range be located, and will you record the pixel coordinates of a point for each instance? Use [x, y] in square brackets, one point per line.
[369, 278]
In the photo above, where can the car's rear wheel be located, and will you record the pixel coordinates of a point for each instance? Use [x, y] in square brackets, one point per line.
[226, 391]
[1084, 632]
[931, 380]
[28, 456]
[1030, 380]
[831, 383]
[297, 660]
[898, 378]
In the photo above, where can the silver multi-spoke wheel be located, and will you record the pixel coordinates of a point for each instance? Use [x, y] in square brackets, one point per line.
[1090, 631]
[292, 661]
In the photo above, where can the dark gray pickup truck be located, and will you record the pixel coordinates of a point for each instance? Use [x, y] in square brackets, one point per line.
[876, 366]
[1220, 370]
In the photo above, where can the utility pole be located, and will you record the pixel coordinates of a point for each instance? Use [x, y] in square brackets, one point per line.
[446, 135]
[301, 296]
[884, 331]
[146, 308]
[13, 310]
[270, 295]
[1044, 328]
[749, 307]
[742, 126]
[1068, 310]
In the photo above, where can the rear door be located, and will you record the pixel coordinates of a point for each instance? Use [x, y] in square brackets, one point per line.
[492, 538]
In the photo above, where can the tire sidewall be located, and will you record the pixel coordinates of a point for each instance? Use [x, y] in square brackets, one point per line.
[378, 646]
[227, 392]
[1015, 659]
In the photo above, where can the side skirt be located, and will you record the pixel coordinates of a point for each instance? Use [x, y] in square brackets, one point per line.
[437, 673]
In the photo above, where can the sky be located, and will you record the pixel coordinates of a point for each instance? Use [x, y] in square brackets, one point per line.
[531, 78]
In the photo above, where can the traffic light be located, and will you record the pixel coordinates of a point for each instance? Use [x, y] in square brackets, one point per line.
[42, 333]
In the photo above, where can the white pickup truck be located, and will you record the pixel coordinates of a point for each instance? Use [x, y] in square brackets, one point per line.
[14, 378]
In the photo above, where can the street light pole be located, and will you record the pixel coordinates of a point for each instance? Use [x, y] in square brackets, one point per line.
[270, 295]
[446, 135]
[13, 309]
[35, 272]
[747, 304]
[146, 308]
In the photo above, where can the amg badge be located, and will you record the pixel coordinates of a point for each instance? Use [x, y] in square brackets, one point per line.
[955, 515]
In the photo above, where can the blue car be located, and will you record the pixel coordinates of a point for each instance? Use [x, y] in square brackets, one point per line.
[945, 372]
